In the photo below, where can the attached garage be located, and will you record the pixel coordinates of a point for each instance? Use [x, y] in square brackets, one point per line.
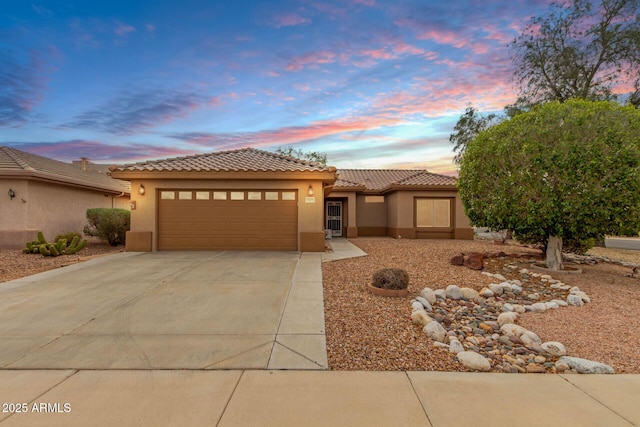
[221, 219]
[244, 199]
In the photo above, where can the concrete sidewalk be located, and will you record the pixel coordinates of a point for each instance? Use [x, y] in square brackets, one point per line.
[342, 249]
[316, 398]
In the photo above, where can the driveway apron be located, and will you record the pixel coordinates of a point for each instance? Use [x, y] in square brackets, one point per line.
[168, 310]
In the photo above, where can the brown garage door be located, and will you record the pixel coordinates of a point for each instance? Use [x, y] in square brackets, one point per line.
[227, 220]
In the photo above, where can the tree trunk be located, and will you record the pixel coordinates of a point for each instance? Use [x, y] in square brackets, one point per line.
[554, 253]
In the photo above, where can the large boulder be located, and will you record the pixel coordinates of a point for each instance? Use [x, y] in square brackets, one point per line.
[429, 295]
[585, 366]
[435, 331]
[457, 259]
[473, 360]
[554, 348]
[453, 292]
[470, 294]
[507, 317]
[474, 260]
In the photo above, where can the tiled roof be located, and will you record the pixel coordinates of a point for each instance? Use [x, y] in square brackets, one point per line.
[381, 179]
[243, 160]
[22, 164]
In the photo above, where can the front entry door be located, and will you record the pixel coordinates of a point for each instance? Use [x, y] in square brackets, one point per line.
[334, 218]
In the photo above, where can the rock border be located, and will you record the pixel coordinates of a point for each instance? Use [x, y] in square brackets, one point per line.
[569, 269]
[480, 327]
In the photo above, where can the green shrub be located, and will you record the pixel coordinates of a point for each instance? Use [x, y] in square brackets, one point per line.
[108, 224]
[391, 278]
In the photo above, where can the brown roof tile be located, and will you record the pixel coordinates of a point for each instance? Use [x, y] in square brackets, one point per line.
[22, 164]
[381, 179]
[243, 160]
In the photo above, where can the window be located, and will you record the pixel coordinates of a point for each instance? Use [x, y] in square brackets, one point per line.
[288, 195]
[202, 195]
[237, 195]
[219, 195]
[374, 199]
[433, 213]
[167, 195]
[185, 195]
[271, 195]
[254, 195]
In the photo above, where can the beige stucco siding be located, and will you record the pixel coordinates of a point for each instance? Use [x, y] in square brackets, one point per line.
[144, 217]
[372, 217]
[51, 208]
[13, 213]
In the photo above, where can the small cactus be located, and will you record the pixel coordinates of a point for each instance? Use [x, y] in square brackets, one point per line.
[54, 250]
[77, 248]
[41, 238]
[61, 247]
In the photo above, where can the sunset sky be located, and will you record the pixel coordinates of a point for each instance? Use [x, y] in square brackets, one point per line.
[372, 83]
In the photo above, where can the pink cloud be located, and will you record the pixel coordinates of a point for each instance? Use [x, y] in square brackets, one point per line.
[443, 37]
[302, 87]
[151, 28]
[311, 60]
[289, 20]
[101, 152]
[122, 29]
[369, 3]
[289, 135]
[330, 10]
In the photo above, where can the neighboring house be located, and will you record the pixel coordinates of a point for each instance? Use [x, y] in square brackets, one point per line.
[41, 194]
[251, 199]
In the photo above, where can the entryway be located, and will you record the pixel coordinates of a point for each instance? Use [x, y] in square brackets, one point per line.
[334, 218]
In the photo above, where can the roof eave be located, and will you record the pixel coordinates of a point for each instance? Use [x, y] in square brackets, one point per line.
[401, 187]
[61, 180]
[325, 176]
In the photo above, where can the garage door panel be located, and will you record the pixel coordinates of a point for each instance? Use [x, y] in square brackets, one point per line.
[228, 224]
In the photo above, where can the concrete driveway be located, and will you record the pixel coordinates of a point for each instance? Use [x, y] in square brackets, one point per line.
[168, 310]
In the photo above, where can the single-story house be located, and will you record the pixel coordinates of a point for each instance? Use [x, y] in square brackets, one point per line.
[41, 194]
[251, 199]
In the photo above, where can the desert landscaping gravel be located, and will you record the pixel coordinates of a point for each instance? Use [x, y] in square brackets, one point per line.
[368, 332]
[14, 264]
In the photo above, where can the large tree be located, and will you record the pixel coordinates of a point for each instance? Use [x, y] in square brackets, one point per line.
[580, 50]
[310, 156]
[561, 170]
[469, 125]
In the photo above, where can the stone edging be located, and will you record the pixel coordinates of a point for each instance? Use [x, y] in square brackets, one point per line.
[480, 329]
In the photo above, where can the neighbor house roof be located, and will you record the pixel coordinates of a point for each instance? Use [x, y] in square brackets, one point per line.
[20, 164]
[380, 180]
[243, 160]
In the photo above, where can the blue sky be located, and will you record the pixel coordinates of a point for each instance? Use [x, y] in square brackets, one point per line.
[374, 84]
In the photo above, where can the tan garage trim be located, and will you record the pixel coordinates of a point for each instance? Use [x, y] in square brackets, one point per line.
[222, 219]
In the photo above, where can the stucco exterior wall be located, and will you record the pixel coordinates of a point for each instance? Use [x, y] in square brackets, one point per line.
[402, 222]
[51, 208]
[372, 217]
[310, 211]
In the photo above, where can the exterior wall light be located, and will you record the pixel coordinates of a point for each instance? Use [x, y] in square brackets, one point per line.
[141, 190]
[12, 194]
[310, 190]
